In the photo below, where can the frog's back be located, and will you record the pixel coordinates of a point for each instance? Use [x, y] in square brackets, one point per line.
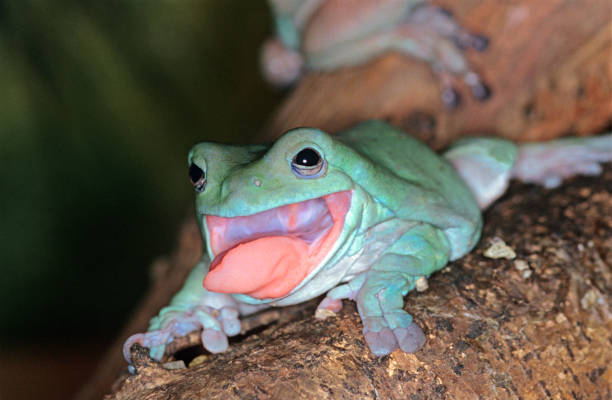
[431, 191]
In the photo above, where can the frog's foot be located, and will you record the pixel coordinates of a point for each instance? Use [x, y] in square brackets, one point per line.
[280, 65]
[328, 307]
[383, 340]
[173, 322]
[442, 22]
[332, 303]
[450, 95]
[430, 33]
[386, 326]
[549, 163]
[446, 25]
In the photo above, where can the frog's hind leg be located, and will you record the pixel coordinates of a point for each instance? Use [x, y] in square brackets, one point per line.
[549, 163]
[485, 165]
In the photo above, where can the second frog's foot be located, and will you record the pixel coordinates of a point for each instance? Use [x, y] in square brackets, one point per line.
[280, 65]
[451, 97]
[431, 33]
[442, 20]
[479, 89]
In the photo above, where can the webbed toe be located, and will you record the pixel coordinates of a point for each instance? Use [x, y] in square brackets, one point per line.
[451, 97]
[214, 341]
[410, 339]
[382, 342]
[481, 91]
[479, 42]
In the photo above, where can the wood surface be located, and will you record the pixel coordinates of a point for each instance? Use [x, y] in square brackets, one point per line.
[491, 332]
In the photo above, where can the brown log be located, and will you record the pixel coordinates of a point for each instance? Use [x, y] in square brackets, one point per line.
[549, 65]
[538, 326]
[492, 332]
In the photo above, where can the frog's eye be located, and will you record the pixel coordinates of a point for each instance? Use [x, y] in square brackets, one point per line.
[308, 163]
[197, 177]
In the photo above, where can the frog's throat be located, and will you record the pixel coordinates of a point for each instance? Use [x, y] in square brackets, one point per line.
[266, 255]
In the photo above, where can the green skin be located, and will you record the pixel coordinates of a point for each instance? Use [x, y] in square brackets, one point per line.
[411, 212]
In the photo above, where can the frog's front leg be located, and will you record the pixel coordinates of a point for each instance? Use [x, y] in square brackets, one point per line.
[386, 326]
[191, 309]
[380, 300]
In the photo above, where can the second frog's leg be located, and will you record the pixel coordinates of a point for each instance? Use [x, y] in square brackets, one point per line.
[427, 33]
[432, 34]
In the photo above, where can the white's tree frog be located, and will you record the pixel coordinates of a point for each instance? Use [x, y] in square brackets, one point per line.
[360, 215]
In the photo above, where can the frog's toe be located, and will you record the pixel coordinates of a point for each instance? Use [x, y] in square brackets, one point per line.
[230, 321]
[451, 97]
[214, 341]
[382, 342]
[481, 91]
[280, 65]
[479, 42]
[155, 339]
[445, 11]
[127, 346]
[410, 339]
[328, 307]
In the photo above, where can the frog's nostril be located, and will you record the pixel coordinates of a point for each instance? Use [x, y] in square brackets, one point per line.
[197, 177]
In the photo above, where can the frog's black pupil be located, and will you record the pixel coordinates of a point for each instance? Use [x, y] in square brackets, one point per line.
[195, 173]
[307, 158]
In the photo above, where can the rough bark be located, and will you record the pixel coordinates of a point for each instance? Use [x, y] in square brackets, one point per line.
[548, 65]
[495, 328]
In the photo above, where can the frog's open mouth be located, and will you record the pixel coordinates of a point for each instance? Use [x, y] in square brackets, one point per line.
[268, 254]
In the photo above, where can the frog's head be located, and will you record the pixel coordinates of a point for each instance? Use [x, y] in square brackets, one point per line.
[271, 215]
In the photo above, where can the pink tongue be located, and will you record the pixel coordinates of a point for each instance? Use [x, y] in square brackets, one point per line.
[267, 267]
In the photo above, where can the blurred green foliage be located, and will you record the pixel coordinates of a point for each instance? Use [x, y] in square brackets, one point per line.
[100, 102]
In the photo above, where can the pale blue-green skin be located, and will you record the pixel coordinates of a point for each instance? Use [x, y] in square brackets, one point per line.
[410, 214]
[393, 176]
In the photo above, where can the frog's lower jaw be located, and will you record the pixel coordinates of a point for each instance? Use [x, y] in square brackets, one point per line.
[266, 255]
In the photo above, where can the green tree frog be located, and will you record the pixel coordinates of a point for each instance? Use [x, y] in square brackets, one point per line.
[329, 34]
[361, 215]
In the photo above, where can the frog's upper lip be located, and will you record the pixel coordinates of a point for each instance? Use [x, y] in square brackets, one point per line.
[267, 254]
[307, 220]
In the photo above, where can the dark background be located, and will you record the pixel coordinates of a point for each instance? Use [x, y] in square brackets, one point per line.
[99, 103]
